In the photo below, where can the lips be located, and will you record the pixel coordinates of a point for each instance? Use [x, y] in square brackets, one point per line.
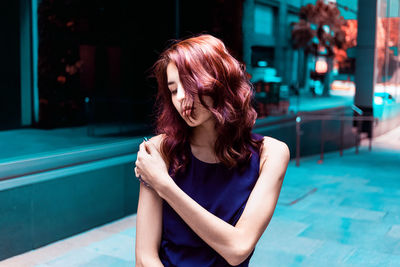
[186, 111]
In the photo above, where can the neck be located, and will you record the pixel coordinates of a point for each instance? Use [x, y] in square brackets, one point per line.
[204, 135]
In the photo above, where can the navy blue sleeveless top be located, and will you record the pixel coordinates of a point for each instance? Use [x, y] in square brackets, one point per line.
[222, 192]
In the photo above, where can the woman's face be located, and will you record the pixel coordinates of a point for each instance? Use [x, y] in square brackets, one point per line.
[183, 103]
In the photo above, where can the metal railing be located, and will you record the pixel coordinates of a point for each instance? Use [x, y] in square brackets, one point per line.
[342, 118]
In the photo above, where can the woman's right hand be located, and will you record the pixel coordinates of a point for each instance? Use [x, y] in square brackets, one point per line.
[151, 167]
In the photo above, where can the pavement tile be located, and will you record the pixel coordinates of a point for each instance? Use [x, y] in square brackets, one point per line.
[319, 262]
[78, 257]
[333, 252]
[262, 258]
[392, 216]
[346, 212]
[366, 201]
[283, 228]
[119, 246]
[290, 194]
[394, 231]
[345, 230]
[131, 232]
[303, 246]
[86, 238]
[366, 258]
[396, 249]
[290, 213]
[370, 215]
[388, 245]
[108, 261]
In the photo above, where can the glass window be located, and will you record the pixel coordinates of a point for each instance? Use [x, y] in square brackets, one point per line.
[387, 67]
[94, 63]
[263, 19]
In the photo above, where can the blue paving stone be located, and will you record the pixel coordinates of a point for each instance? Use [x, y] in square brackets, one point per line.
[129, 232]
[345, 211]
[78, 257]
[285, 212]
[366, 201]
[393, 215]
[394, 231]
[279, 228]
[345, 230]
[319, 262]
[295, 245]
[389, 245]
[371, 215]
[263, 258]
[291, 194]
[334, 252]
[396, 249]
[372, 258]
[119, 246]
[107, 261]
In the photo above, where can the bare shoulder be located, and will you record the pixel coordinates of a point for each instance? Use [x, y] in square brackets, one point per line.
[274, 148]
[274, 157]
[271, 144]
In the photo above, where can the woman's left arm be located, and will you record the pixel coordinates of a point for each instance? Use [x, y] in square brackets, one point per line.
[233, 243]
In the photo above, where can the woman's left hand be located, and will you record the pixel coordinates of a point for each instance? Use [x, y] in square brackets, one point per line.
[151, 167]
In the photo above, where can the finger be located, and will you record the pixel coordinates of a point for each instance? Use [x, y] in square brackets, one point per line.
[151, 147]
[136, 173]
[142, 147]
[140, 154]
[147, 146]
[141, 178]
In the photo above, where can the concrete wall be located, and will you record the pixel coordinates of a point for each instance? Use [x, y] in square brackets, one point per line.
[38, 209]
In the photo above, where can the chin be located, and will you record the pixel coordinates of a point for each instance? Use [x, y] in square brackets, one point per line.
[191, 123]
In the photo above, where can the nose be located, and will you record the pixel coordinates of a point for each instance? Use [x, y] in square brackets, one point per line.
[180, 94]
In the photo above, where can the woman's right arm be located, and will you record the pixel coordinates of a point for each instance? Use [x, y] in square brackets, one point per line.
[148, 228]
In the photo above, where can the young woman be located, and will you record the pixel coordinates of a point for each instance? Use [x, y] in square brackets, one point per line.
[208, 186]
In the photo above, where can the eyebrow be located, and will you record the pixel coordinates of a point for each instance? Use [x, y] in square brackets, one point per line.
[170, 83]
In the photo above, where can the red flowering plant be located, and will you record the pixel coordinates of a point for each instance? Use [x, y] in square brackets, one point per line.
[320, 32]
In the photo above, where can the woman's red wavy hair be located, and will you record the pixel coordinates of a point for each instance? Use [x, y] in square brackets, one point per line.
[206, 68]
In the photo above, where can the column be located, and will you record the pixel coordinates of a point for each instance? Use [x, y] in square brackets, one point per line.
[281, 40]
[365, 60]
[365, 55]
